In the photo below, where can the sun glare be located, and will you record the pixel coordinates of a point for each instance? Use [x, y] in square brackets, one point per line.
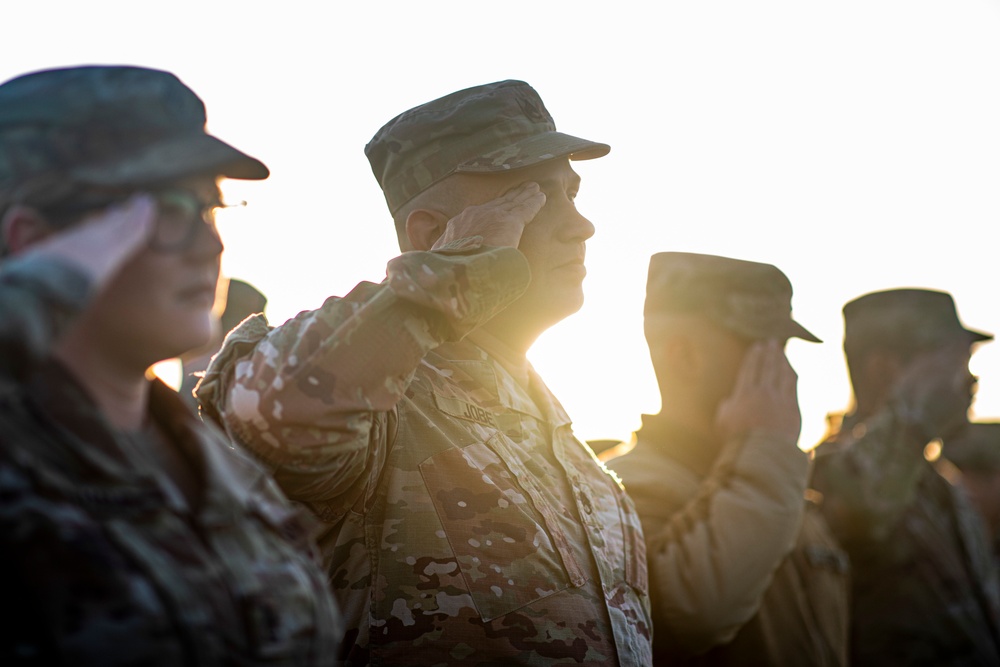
[738, 130]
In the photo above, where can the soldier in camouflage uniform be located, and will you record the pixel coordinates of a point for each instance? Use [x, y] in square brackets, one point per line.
[130, 532]
[742, 570]
[466, 525]
[924, 585]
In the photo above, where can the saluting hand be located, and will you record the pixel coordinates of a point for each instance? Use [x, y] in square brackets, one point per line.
[500, 222]
[764, 397]
[105, 241]
[935, 390]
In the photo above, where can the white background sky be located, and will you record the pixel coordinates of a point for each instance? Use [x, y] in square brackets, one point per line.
[855, 144]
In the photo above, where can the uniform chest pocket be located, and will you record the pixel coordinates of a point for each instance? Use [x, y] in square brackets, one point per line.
[501, 543]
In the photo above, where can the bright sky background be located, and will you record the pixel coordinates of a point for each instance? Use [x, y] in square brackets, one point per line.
[855, 144]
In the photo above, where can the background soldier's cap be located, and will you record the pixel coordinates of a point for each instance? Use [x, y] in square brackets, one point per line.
[975, 448]
[490, 128]
[916, 318]
[748, 298]
[115, 126]
[242, 301]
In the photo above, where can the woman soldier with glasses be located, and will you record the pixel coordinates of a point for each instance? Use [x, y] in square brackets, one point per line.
[130, 532]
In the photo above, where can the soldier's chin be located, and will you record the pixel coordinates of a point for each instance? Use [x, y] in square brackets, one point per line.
[177, 341]
[570, 302]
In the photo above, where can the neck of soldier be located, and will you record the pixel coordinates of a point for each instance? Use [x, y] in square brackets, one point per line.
[511, 358]
[515, 331]
[686, 409]
[869, 401]
[118, 386]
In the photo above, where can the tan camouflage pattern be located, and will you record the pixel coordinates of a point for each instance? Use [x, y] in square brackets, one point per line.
[924, 584]
[743, 570]
[750, 299]
[489, 128]
[102, 565]
[105, 126]
[465, 525]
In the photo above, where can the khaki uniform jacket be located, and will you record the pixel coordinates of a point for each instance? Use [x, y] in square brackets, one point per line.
[743, 571]
[101, 564]
[465, 524]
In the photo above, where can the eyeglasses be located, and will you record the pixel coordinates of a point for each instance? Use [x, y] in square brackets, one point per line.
[180, 215]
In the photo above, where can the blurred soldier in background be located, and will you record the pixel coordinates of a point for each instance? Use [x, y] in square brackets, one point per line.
[465, 522]
[130, 532]
[924, 584]
[743, 571]
[242, 301]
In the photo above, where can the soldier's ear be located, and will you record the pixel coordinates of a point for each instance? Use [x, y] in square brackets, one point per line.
[22, 227]
[424, 227]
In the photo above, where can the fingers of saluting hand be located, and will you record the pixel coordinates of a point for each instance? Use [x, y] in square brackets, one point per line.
[749, 377]
[499, 221]
[766, 368]
[525, 201]
[778, 371]
[104, 241]
[130, 223]
[770, 367]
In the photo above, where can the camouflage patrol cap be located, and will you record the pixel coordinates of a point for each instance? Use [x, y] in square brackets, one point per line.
[106, 126]
[975, 447]
[748, 298]
[490, 128]
[916, 318]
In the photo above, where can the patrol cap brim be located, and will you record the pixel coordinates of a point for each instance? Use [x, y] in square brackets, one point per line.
[799, 331]
[979, 336]
[533, 150]
[781, 329]
[175, 157]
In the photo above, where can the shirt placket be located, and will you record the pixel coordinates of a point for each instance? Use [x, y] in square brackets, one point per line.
[527, 481]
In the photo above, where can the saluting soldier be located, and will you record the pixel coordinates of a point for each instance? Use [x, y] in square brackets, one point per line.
[924, 584]
[743, 570]
[466, 525]
[131, 533]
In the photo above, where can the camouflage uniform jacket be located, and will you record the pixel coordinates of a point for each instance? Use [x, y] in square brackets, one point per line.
[924, 585]
[739, 574]
[465, 523]
[101, 564]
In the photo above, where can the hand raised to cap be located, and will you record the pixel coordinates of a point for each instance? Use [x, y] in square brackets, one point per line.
[934, 391]
[499, 222]
[764, 397]
[104, 241]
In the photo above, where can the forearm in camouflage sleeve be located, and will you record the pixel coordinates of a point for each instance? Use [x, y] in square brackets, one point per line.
[870, 479]
[39, 298]
[306, 399]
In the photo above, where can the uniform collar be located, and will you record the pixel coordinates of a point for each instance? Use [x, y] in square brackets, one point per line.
[694, 451]
[213, 457]
[489, 369]
[515, 363]
[60, 399]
